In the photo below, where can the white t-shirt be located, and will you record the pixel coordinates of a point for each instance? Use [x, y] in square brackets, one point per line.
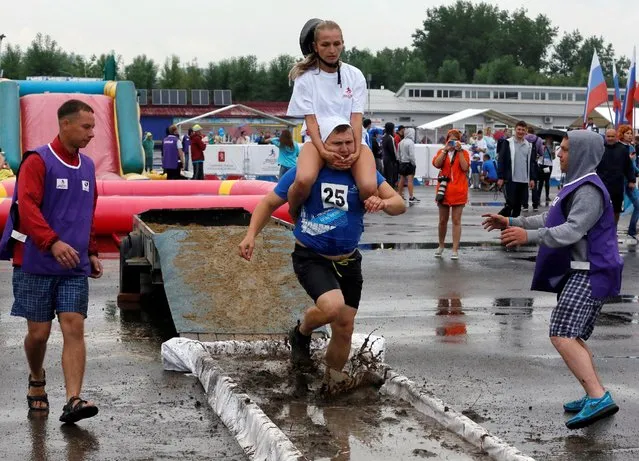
[316, 92]
[481, 144]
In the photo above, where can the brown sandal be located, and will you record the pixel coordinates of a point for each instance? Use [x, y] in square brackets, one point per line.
[32, 399]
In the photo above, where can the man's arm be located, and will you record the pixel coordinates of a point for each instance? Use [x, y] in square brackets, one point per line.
[628, 169]
[411, 153]
[533, 164]
[30, 195]
[587, 207]
[259, 219]
[387, 200]
[93, 244]
[501, 156]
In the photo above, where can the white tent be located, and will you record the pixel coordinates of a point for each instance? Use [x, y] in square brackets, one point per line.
[603, 117]
[466, 114]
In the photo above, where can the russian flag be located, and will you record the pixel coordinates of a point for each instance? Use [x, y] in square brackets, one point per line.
[597, 91]
[616, 104]
[631, 91]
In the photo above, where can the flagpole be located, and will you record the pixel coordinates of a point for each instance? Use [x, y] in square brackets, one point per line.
[612, 120]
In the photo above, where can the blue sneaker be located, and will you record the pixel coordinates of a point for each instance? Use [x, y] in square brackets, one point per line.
[576, 405]
[593, 410]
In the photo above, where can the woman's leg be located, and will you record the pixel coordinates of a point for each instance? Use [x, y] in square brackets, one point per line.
[309, 163]
[444, 213]
[457, 228]
[548, 175]
[365, 173]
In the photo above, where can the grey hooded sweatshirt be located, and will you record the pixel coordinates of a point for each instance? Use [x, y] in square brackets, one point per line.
[584, 207]
[407, 147]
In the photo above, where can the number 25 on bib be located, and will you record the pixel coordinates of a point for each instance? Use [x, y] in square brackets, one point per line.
[335, 196]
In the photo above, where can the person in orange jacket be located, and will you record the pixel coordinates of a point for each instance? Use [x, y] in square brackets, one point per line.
[452, 188]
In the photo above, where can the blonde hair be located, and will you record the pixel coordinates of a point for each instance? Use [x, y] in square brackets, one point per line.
[311, 61]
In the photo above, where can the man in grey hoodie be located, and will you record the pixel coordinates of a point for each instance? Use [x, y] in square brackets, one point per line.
[579, 260]
[407, 164]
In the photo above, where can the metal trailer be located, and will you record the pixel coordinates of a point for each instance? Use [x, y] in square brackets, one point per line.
[201, 309]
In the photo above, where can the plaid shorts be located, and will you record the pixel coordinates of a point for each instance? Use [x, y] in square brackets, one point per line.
[39, 297]
[576, 311]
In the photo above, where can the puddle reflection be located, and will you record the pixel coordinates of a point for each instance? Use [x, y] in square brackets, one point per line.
[618, 318]
[80, 442]
[453, 328]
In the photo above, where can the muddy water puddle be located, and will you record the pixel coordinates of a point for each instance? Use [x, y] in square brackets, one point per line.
[360, 425]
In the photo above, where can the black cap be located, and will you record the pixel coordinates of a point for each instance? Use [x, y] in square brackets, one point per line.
[400, 127]
[307, 36]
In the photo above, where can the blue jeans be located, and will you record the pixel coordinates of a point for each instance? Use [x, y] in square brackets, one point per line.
[633, 195]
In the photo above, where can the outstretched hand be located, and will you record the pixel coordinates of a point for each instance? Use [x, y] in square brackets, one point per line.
[514, 236]
[494, 221]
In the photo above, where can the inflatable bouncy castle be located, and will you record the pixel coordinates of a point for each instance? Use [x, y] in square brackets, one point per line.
[28, 119]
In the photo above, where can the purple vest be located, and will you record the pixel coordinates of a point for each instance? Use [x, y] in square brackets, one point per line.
[67, 206]
[603, 254]
[170, 153]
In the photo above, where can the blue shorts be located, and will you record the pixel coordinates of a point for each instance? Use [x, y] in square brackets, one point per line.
[39, 297]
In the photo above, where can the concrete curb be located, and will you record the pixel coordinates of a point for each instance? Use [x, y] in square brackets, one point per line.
[400, 386]
[258, 436]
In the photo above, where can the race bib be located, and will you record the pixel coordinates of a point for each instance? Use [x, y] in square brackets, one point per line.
[335, 196]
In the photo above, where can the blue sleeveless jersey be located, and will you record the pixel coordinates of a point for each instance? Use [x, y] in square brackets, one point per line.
[332, 218]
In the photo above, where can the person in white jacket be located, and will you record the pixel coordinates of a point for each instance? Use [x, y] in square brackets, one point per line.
[407, 164]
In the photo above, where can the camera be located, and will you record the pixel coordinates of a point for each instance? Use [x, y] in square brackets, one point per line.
[441, 188]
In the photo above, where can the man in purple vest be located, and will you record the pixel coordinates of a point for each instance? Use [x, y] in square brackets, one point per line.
[172, 154]
[579, 260]
[49, 236]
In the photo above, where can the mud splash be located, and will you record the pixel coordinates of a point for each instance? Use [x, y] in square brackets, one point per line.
[361, 424]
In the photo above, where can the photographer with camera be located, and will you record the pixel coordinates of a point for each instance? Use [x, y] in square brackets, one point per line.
[452, 188]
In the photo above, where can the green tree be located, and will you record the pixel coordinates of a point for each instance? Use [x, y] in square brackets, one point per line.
[528, 40]
[565, 55]
[504, 71]
[193, 77]
[451, 72]
[45, 58]
[12, 63]
[466, 32]
[278, 86]
[142, 72]
[244, 78]
[172, 74]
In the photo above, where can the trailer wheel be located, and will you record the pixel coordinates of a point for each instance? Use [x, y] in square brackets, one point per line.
[129, 275]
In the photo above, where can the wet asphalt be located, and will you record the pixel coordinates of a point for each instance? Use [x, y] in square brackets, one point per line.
[472, 333]
[469, 331]
[145, 413]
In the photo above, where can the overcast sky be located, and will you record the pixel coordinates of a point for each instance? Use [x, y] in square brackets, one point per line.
[218, 29]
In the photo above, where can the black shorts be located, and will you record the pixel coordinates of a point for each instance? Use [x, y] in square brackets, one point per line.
[319, 275]
[617, 202]
[406, 169]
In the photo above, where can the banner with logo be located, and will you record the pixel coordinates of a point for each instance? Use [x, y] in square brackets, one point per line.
[261, 160]
[224, 159]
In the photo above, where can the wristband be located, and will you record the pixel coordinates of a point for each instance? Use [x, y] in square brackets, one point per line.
[510, 221]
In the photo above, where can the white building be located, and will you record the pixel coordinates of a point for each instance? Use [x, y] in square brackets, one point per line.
[415, 104]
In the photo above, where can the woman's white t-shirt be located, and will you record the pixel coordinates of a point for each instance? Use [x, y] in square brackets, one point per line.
[316, 92]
